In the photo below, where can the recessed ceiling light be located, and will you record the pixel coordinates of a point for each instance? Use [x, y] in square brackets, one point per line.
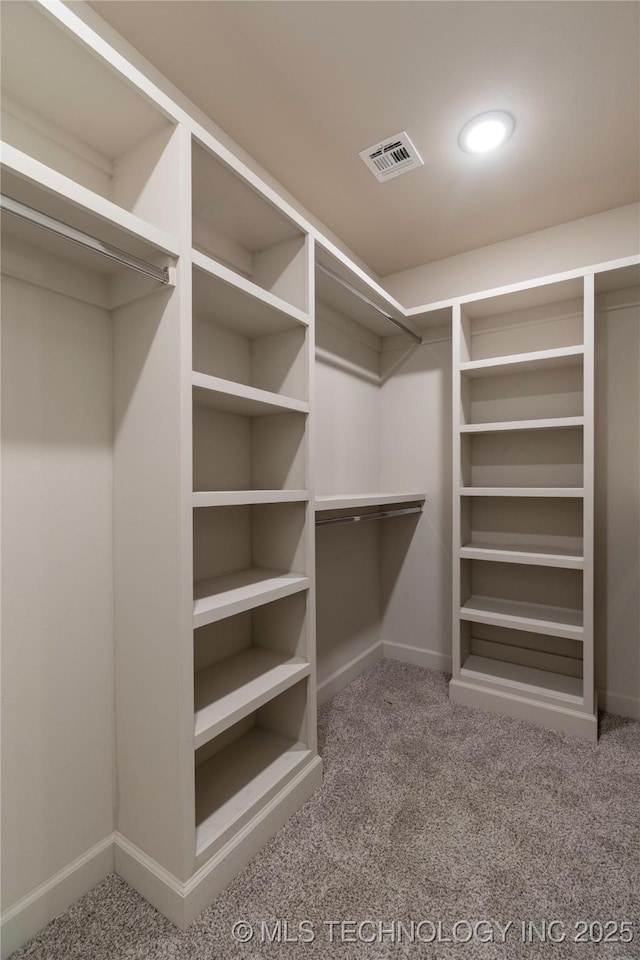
[486, 132]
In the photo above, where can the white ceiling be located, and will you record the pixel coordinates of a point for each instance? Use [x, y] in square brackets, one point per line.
[304, 86]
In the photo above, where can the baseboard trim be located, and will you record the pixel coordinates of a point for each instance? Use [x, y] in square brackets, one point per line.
[432, 659]
[561, 719]
[345, 674]
[29, 915]
[621, 704]
[183, 902]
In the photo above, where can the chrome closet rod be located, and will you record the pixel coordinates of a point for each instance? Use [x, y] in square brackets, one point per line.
[381, 515]
[370, 303]
[60, 229]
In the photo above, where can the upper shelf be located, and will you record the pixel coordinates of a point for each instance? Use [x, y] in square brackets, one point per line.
[352, 501]
[237, 226]
[353, 297]
[64, 106]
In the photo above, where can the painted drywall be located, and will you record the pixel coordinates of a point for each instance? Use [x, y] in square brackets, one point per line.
[604, 236]
[347, 460]
[617, 489]
[57, 584]
[415, 436]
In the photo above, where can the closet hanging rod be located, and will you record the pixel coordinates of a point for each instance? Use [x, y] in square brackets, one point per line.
[60, 229]
[380, 515]
[370, 303]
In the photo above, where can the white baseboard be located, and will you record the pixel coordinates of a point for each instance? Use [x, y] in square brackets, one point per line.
[564, 720]
[432, 659]
[345, 674]
[619, 703]
[183, 902]
[28, 916]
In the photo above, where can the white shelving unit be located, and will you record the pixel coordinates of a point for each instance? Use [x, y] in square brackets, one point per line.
[523, 505]
[253, 532]
[213, 519]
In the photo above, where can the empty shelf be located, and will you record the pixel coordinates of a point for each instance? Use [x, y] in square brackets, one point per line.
[244, 776]
[534, 360]
[577, 492]
[233, 688]
[231, 397]
[225, 596]
[523, 679]
[548, 423]
[531, 617]
[543, 555]
[31, 182]
[348, 501]
[234, 301]
[235, 498]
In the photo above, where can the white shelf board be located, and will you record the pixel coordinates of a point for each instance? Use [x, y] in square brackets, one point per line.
[548, 423]
[534, 360]
[225, 596]
[241, 778]
[231, 397]
[531, 554]
[238, 498]
[530, 617]
[50, 192]
[229, 299]
[232, 689]
[348, 501]
[575, 492]
[523, 679]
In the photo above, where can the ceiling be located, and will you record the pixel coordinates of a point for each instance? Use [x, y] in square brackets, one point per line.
[304, 86]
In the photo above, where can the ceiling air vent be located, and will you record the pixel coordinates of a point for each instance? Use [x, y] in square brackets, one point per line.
[391, 157]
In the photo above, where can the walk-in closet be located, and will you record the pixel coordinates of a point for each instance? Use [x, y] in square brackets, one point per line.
[243, 467]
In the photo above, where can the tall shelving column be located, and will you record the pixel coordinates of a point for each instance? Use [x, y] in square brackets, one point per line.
[254, 736]
[523, 422]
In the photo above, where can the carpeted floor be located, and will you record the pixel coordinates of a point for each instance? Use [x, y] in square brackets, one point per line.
[428, 812]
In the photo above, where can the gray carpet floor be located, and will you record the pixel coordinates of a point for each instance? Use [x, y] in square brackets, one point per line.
[428, 812]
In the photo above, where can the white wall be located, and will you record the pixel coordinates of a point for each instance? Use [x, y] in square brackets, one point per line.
[570, 246]
[415, 430]
[617, 546]
[347, 460]
[57, 584]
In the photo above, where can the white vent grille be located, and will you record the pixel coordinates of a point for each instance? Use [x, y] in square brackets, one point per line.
[391, 157]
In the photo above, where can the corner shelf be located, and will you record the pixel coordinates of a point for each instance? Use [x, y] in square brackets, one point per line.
[530, 617]
[228, 396]
[523, 679]
[233, 688]
[225, 596]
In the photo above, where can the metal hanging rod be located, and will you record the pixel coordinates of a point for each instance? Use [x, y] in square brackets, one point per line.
[381, 515]
[60, 229]
[370, 303]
